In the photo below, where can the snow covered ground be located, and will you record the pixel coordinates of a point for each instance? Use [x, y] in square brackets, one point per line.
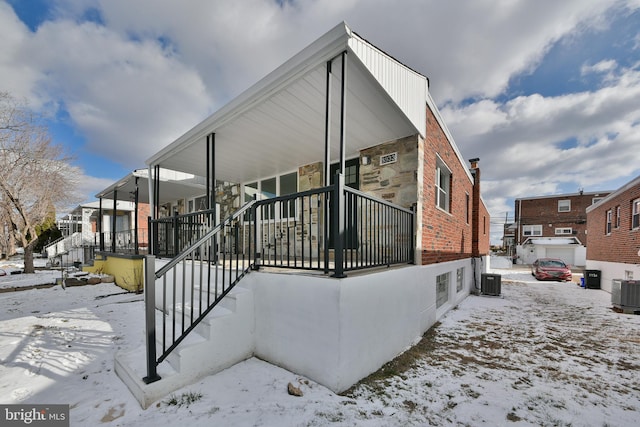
[544, 354]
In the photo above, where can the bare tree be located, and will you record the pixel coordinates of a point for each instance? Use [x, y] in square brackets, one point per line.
[35, 175]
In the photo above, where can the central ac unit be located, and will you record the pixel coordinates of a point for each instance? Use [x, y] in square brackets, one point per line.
[490, 284]
[625, 294]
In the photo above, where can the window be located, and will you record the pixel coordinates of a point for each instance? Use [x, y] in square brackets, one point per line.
[271, 187]
[635, 214]
[567, 230]
[564, 205]
[596, 200]
[442, 289]
[608, 227]
[443, 185]
[289, 185]
[617, 216]
[459, 279]
[564, 231]
[532, 230]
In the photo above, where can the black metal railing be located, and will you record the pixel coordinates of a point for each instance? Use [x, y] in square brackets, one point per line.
[193, 283]
[171, 235]
[334, 229]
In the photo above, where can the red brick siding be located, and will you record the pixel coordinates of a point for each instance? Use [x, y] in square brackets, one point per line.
[623, 243]
[544, 211]
[447, 236]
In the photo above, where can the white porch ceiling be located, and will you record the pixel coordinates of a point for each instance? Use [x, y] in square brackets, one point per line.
[279, 124]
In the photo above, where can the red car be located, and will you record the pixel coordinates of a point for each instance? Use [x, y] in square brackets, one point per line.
[550, 269]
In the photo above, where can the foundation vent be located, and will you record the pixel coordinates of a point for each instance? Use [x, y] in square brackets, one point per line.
[387, 159]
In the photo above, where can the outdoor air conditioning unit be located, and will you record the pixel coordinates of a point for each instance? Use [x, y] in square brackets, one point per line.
[625, 294]
[490, 284]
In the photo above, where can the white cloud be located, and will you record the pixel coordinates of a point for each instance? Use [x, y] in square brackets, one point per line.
[151, 69]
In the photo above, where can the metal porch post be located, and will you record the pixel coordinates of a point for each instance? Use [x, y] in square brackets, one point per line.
[338, 229]
[135, 219]
[343, 112]
[150, 318]
[327, 164]
[113, 221]
[100, 232]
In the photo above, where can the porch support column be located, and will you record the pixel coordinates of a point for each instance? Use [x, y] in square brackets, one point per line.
[152, 202]
[113, 221]
[156, 192]
[211, 175]
[135, 218]
[100, 233]
[327, 128]
[343, 112]
[337, 211]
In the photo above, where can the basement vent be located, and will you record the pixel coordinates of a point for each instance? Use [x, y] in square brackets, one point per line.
[387, 159]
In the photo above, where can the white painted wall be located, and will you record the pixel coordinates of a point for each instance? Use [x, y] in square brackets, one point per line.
[613, 270]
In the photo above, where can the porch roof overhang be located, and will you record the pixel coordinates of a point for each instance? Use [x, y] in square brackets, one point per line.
[175, 185]
[278, 124]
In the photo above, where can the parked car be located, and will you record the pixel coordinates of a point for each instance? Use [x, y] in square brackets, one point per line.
[550, 269]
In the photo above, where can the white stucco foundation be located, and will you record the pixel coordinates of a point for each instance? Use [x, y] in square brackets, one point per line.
[337, 331]
[333, 331]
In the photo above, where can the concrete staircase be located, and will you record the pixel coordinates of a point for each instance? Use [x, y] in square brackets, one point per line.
[224, 338]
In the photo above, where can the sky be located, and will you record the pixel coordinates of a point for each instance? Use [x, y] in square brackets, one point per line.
[545, 93]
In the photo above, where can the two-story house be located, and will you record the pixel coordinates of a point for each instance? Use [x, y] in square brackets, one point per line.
[613, 226]
[553, 227]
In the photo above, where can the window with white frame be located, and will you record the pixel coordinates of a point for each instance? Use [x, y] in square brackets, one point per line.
[442, 289]
[271, 187]
[596, 200]
[443, 185]
[532, 230]
[564, 205]
[635, 214]
[459, 279]
[566, 230]
[617, 216]
[608, 226]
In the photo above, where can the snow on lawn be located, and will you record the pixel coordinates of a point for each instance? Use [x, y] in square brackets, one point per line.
[544, 354]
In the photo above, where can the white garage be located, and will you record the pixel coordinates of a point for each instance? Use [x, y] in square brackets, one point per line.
[568, 249]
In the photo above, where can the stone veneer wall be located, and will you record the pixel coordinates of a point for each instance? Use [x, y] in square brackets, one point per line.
[395, 182]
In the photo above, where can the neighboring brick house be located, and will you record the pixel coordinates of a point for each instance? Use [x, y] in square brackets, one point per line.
[613, 226]
[553, 226]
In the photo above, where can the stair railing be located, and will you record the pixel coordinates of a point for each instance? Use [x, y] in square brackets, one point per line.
[193, 283]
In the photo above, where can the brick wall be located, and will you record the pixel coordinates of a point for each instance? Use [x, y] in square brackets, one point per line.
[622, 243]
[447, 236]
[544, 211]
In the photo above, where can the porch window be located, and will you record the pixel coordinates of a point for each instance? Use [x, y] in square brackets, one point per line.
[442, 289]
[635, 214]
[281, 185]
[289, 185]
[608, 220]
[532, 230]
[443, 185]
[564, 205]
[459, 279]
